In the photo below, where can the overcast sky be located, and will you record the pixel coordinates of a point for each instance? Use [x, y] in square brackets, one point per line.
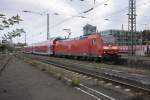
[35, 25]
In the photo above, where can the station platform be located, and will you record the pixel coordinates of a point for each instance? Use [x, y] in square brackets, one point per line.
[135, 61]
[125, 56]
[21, 81]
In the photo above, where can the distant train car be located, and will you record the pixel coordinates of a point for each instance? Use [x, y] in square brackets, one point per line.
[90, 46]
[28, 49]
[45, 48]
[136, 48]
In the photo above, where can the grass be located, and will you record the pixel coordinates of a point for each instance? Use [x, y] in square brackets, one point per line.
[43, 69]
[32, 63]
[75, 81]
[137, 97]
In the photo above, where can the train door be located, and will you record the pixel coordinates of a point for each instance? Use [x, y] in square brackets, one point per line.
[49, 49]
[93, 47]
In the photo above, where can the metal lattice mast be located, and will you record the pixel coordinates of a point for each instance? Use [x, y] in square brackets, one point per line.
[132, 22]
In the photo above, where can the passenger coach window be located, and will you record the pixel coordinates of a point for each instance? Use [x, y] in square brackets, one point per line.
[93, 41]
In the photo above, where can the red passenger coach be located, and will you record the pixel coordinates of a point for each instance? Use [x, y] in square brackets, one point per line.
[44, 48]
[28, 49]
[41, 48]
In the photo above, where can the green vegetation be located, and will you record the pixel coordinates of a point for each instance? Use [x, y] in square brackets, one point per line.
[6, 22]
[75, 81]
[13, 34]
[2, 47]
[32, 63]
[137, 97]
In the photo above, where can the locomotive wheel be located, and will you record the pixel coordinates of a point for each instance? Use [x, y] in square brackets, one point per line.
[66, 56]
[78, 58]
[97, 59]
[116, 59]
[113, 59]
[89, 59]
[106, 58]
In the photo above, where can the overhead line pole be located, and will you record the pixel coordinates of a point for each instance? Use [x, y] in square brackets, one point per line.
[25, 38]
[48, 33]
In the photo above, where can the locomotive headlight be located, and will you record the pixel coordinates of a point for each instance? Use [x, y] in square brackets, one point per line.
[114, 47]
[105, 47]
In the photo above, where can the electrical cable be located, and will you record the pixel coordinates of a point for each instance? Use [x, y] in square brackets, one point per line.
[114, 13]
[83, 12]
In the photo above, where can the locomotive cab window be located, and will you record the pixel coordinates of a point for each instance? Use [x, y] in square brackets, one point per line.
[93, 41]
[108, 39]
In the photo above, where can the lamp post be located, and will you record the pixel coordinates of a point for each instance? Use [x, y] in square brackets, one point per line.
[25, 39]
[48, 16]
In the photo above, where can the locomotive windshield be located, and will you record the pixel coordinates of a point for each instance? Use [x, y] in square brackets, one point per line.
[108, 39]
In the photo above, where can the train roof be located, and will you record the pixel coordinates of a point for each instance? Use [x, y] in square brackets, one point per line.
[80, 37]
[49, 41]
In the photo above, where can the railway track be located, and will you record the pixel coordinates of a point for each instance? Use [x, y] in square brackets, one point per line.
[94, 74]
[94, 93]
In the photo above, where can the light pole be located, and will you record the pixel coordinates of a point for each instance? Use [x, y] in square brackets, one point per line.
[25, 39]
[48, 16]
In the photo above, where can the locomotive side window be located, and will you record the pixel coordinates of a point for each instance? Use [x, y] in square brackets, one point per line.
[82, 37]
[93, 41]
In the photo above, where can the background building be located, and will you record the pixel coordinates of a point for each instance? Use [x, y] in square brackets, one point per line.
[146, 37]
[124, 37]
[88, 29]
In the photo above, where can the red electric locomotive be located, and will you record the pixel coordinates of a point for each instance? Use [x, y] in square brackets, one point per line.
[90, 46]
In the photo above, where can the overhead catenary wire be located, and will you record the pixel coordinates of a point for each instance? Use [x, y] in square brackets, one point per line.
[82, 12]
[92, 8]
[111, 14]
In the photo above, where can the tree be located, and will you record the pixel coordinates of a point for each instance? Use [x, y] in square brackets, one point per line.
[13, 34]
[6, 22]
